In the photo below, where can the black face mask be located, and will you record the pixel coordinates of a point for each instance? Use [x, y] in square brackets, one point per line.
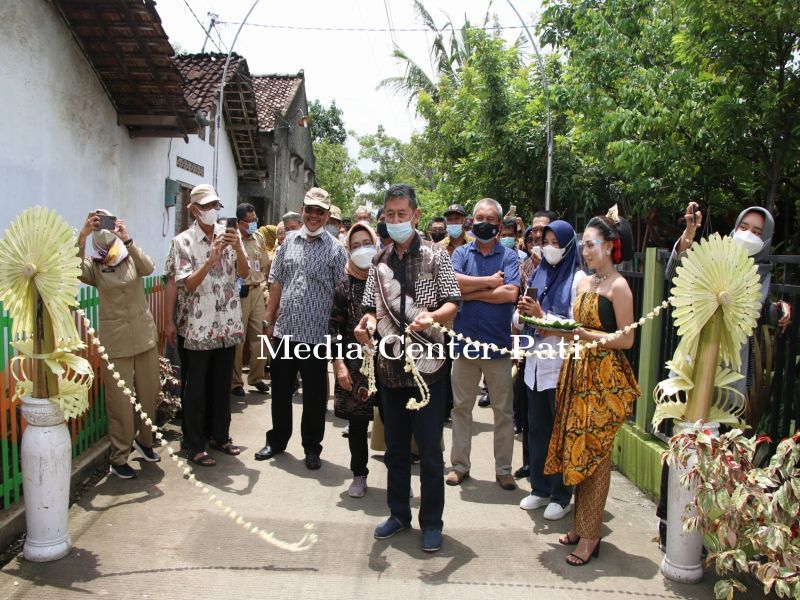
[383, 231]
[485, 231]
[437, 236]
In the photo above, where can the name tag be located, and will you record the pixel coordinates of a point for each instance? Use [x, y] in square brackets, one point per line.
[425, 276]
[257, 265]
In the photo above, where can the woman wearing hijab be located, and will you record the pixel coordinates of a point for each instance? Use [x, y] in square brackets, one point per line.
[553, 284]
[351, 397]
[128, 332]
[270, 233]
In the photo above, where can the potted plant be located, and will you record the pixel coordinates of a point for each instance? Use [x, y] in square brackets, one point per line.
[748, 513]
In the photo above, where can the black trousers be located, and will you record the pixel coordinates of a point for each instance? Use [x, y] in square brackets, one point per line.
[521, 410]
[359, 447]
[206, 396]
[314, 372]
[426, 424]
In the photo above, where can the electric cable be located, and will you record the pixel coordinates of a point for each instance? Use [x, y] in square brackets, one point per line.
[203, 27]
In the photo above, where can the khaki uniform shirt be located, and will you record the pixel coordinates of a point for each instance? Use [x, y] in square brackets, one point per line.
[447, 244]
[259, 260]
[126, 324]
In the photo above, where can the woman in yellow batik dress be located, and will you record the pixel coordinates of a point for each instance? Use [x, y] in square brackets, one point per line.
[596, 389]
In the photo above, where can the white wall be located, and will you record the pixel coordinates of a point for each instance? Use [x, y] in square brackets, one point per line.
[61, 146]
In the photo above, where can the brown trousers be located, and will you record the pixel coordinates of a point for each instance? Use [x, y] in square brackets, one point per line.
[590, 501]
[141, 375]
[253, 310]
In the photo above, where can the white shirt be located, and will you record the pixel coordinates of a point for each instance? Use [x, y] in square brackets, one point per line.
[543, 371]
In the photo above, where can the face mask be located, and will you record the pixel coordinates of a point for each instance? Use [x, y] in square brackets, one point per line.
[364, 221]
[748, 240]
[383, 232]
[362, 257]
[553, 255]
[455, 231]
[252, 227]
[400, 232]
[536, 251]
[208, 217]
[484, 231]
[306, 231]
[508, 242]
[333, 230]
[437, 236]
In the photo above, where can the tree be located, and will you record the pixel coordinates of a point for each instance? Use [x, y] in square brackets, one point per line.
[327, 124]
[338, 174]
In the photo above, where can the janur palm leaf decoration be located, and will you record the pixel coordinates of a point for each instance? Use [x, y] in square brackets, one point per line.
[716, 300]
[39, 268]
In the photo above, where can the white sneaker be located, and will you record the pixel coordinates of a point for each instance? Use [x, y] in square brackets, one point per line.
[555, 511]
[358, 487]
[533, 502]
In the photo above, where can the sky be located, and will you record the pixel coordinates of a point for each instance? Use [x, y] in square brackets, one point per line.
[345, 66]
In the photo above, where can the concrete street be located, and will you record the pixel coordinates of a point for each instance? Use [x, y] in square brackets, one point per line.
[158, 537]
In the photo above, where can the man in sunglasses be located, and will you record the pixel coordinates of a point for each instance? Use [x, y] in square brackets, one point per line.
[304, 273]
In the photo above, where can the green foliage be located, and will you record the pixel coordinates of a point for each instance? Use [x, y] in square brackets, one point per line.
[338, 174]
[747, 513]
[327, 124]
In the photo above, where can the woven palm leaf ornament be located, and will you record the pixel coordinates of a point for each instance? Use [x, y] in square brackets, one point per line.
[39, 268]
[716, 300]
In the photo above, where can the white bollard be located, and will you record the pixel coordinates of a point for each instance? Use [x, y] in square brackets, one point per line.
[46, 457]
[683, 559]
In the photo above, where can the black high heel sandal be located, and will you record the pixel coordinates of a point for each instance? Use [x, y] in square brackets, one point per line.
[578, 561]
[570, 541]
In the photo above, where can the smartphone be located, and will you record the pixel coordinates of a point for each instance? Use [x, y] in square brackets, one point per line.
[108, 222]
[231, 223]
[512, 212]
[532, 293]
[695, 210]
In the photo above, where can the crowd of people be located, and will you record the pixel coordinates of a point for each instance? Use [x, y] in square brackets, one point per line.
[317, 275]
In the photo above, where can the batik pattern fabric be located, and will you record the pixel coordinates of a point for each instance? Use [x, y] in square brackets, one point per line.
[214, 317]
[595, 394]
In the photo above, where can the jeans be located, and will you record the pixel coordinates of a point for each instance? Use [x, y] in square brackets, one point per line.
[541, 413]
[207, 396]
[359, 447]
[314, 372]
[426, 424]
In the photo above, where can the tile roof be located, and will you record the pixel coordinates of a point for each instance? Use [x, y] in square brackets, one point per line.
[202, 74]
[274, 93]
[128, 49]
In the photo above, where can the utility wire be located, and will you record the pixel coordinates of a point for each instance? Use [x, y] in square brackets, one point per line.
[367, 29]
[203, 27]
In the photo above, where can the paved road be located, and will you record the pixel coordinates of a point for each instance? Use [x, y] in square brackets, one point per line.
[157, 537]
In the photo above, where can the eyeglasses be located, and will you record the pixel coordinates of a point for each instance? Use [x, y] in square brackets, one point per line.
[315, 210]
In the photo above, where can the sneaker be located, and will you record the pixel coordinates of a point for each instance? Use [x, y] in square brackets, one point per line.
[388, 528]
[358, 488]
[146, 452]
[431, 540]
[555, 511]
[533, 502]
[123, 471]
[346, 431]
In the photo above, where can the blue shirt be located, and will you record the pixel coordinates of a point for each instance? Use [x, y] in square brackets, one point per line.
[479, 320]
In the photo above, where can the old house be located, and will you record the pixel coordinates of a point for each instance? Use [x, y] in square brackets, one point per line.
[286, 138]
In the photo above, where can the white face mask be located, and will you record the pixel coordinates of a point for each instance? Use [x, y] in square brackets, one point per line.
[536, 251]
[749, 241]
[333, 230]
[304, 231]
[362, 257]
[553, 255]
[208, 217]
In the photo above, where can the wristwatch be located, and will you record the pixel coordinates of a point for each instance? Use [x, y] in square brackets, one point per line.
[266, 324]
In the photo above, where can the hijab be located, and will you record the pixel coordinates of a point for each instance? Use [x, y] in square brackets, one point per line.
[350, 268]
[270, 233]
[766, 236]
[109, 249]
[554, 283]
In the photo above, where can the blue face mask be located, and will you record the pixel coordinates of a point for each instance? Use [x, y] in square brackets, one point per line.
[400, 232]
[508, 242]
[252, 227]
[455, 231]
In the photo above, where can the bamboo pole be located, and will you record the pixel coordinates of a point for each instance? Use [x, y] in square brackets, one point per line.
[45, 382]
[705, 369]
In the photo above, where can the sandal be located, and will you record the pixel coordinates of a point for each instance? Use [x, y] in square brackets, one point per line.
[228, 447]
[202, 459]
[566, 540]
[579, 561]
